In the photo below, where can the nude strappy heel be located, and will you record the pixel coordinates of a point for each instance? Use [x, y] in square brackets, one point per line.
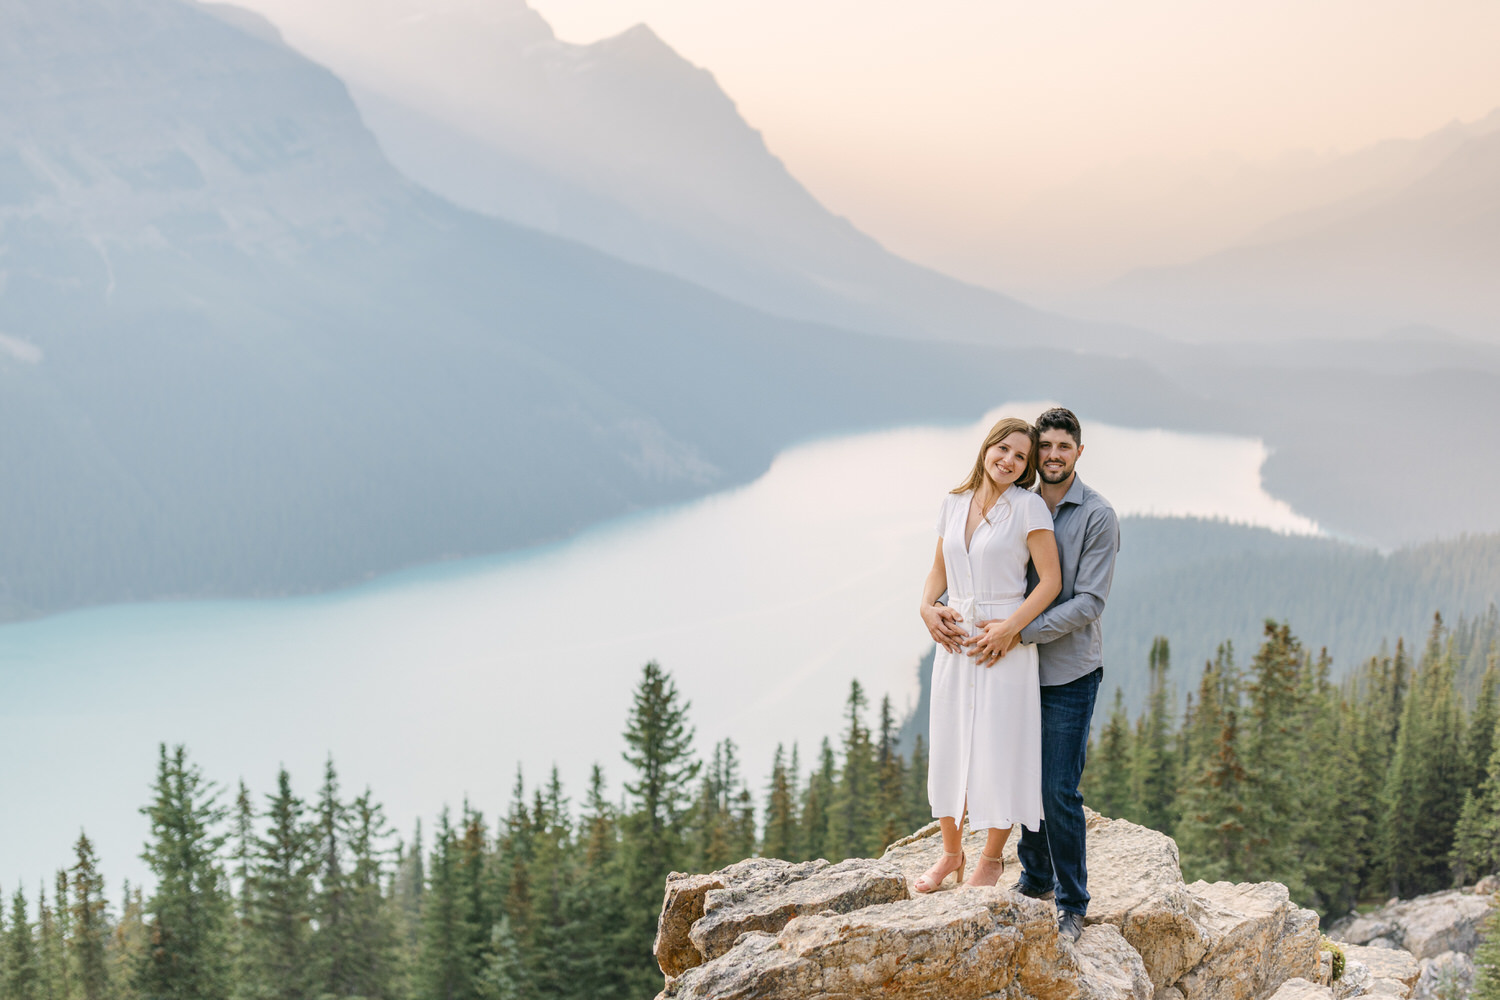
[924, 885]
[999, 861]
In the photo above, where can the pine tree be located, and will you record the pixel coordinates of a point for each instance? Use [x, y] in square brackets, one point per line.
[709, 825]
[1481, 728]
[23, 977]
[88, 942]
[660, 753]
[918, 808]
[660, 745]
[52, 935]
[1106, 776]
[446, 969]
[1487, 959]
[1423, 792]
[513, 880]
[129, 943]
[1272, 761]
[781, 812]
[331, 965]
[551, 872]
[1328, 872]
[372, 949]
[243, 872]
[281, 890]
[817, 801]
[1153, 771]
[851, 826]
[592, 960]
[1211, 827]
[411, 884]
[1377, 693]
[890, 782]
[189, 912]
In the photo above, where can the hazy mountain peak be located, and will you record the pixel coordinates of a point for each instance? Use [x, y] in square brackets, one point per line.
[135, 128]
[640, 40]
[248, 21]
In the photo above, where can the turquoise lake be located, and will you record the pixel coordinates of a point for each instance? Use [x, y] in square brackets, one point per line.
[433, 685]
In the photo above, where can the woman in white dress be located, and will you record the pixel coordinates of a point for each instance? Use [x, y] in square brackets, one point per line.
[986, 745]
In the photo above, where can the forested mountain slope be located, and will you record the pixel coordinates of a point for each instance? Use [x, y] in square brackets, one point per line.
[1201, 584]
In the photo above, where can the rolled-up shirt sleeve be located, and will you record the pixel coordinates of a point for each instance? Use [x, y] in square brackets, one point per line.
[1096, 570]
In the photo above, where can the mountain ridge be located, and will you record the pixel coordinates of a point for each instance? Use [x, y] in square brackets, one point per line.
[1423, 253]
[254, 358]
[646, 159]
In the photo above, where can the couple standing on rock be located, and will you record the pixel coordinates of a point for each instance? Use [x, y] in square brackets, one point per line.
[1019, 662]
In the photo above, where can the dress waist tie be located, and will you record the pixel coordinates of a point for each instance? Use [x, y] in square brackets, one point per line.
[968, 604]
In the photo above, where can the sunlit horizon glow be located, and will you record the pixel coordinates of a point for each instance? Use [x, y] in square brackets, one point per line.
[930, 124]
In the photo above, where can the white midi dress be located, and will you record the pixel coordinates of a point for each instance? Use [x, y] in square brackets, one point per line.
[986, 722]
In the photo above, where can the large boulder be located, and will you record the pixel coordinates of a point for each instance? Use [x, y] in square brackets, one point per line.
[1356, 981]
[1109, 968]
[704, 915]
[1445, 976]
[773, 929]
[1258, 939]
[1135, 882]
[1426, 926]
[1302, 989]
[1392, 972]
[680, 909]
[963, 945]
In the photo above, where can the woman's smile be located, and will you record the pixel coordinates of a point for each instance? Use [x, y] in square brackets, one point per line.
[1006, 459]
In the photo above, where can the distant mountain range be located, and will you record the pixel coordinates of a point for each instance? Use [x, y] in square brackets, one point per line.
[625, 146]
[1422, 252]
[1123, 215]
[239, 353]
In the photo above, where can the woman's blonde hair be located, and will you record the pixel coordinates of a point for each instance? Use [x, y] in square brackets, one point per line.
[1003, 429]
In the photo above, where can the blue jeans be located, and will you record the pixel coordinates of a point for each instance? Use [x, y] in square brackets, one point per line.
[1053, 856]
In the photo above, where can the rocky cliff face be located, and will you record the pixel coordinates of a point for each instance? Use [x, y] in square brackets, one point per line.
[772, 929]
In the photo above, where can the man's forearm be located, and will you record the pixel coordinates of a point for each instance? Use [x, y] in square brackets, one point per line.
[1069, 616]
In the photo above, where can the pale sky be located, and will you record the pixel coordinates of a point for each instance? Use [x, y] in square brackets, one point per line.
[922, 120]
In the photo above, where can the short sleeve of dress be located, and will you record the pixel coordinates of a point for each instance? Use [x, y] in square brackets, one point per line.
[1038, 517]
[942, 521]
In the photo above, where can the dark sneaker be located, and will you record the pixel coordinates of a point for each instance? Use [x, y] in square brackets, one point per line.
[1025, 889]
[1070, 925]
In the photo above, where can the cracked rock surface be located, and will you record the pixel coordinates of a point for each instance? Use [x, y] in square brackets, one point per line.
[765, 928]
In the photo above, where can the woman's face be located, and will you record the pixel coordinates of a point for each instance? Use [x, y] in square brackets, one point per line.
[1006, 460]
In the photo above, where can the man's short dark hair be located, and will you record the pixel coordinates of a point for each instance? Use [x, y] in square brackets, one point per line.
[1060, 419]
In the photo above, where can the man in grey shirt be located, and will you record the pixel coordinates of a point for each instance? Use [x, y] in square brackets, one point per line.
[1069, 645]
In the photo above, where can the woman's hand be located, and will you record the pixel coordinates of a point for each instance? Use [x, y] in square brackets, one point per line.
[943, 625]
[995, 639]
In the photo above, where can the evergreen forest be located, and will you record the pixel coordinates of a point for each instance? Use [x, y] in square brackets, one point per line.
[1386, 782]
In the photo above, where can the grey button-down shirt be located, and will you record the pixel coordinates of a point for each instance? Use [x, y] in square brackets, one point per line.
[1070, 641]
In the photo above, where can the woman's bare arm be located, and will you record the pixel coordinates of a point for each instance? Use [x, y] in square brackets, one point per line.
[942, 623]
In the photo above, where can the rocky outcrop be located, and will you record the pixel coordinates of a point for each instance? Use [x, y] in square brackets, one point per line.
[1302, 989]
[772, 929]
[1445, 976]
[1258, 939]
[704, 915]
[1426, 926]
[1390, 971]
